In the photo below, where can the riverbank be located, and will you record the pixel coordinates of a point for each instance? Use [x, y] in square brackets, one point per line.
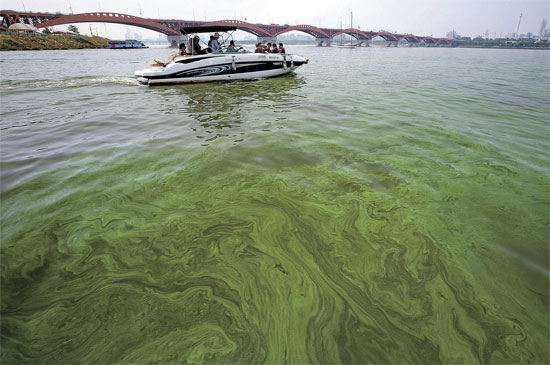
[18, 42]
[505, 43]
[506, 47]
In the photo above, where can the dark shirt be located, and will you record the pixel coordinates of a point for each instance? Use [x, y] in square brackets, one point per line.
[275, 50]
[282, 50]
[197, 48]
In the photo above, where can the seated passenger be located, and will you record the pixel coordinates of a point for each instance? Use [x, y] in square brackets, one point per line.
[197, 47]
[274, 49]
[259, 48]
[215, 44]
[281, 48]
[183, 49]
[268, 48]
[231, 48]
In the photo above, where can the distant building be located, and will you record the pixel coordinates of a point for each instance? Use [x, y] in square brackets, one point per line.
[542, 27]
[452, 35]
[526, 36]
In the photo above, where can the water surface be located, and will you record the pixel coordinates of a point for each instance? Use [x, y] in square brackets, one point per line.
[378, 206]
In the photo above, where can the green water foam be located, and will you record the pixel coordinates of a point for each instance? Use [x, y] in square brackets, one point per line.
[317, 254]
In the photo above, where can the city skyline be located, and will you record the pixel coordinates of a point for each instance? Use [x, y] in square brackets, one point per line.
[421, 17]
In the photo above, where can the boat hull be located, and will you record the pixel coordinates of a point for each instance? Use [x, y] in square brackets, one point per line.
[215, 67]
[228, 77]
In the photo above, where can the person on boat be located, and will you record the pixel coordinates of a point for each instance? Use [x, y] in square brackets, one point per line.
[268, 48]
[197, 47]
[215, 44]
[281, 48]
[231, 47]
[183, 49]
[259, 48]
[274, 49]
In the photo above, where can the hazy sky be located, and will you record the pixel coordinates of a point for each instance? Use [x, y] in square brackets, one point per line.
[421, 17]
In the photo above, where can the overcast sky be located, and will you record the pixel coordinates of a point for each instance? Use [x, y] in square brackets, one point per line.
[421, 17]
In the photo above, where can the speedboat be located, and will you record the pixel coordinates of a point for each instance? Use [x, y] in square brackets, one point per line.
[129, 43]
[228, 63]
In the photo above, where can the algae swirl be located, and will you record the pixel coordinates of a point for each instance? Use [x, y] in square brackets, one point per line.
[224, 228]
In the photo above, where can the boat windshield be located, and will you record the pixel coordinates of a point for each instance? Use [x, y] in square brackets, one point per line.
[235, 49]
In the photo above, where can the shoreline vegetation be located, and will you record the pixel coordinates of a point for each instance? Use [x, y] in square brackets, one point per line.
[500, 43]
[504, 47]
[54, 41]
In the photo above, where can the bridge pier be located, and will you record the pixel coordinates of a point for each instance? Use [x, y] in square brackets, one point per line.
[265, 40]
[365, 43]
[392, 43]
[323, 42]
[176, 40]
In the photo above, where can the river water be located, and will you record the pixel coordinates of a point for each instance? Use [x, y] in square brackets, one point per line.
[381, 205]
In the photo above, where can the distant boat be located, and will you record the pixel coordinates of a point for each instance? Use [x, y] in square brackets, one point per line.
[350, 44]
[129, 43]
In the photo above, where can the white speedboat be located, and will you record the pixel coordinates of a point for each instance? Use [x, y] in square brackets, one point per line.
[228, 63]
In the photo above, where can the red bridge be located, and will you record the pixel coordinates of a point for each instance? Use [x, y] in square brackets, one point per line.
[171, 27]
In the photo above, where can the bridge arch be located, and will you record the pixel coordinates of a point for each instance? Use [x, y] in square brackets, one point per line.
[428, 40]
[172, 27]
[387, 36]
[241, 25]
[355, 33]
[410, 38]
[107, 17]
[308, 29]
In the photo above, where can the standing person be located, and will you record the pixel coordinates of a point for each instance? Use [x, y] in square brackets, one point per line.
[259, 48]
[281, 48]
[215, 44]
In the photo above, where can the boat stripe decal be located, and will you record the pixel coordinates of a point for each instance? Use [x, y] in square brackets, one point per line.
[226, 69]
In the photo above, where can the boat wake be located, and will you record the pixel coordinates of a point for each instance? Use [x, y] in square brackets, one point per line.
[70, 83]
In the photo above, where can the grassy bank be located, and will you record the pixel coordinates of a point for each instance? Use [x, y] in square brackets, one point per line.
[504, 43]
[13, 42]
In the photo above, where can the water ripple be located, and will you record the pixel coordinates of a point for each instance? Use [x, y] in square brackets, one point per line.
[393, 209]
